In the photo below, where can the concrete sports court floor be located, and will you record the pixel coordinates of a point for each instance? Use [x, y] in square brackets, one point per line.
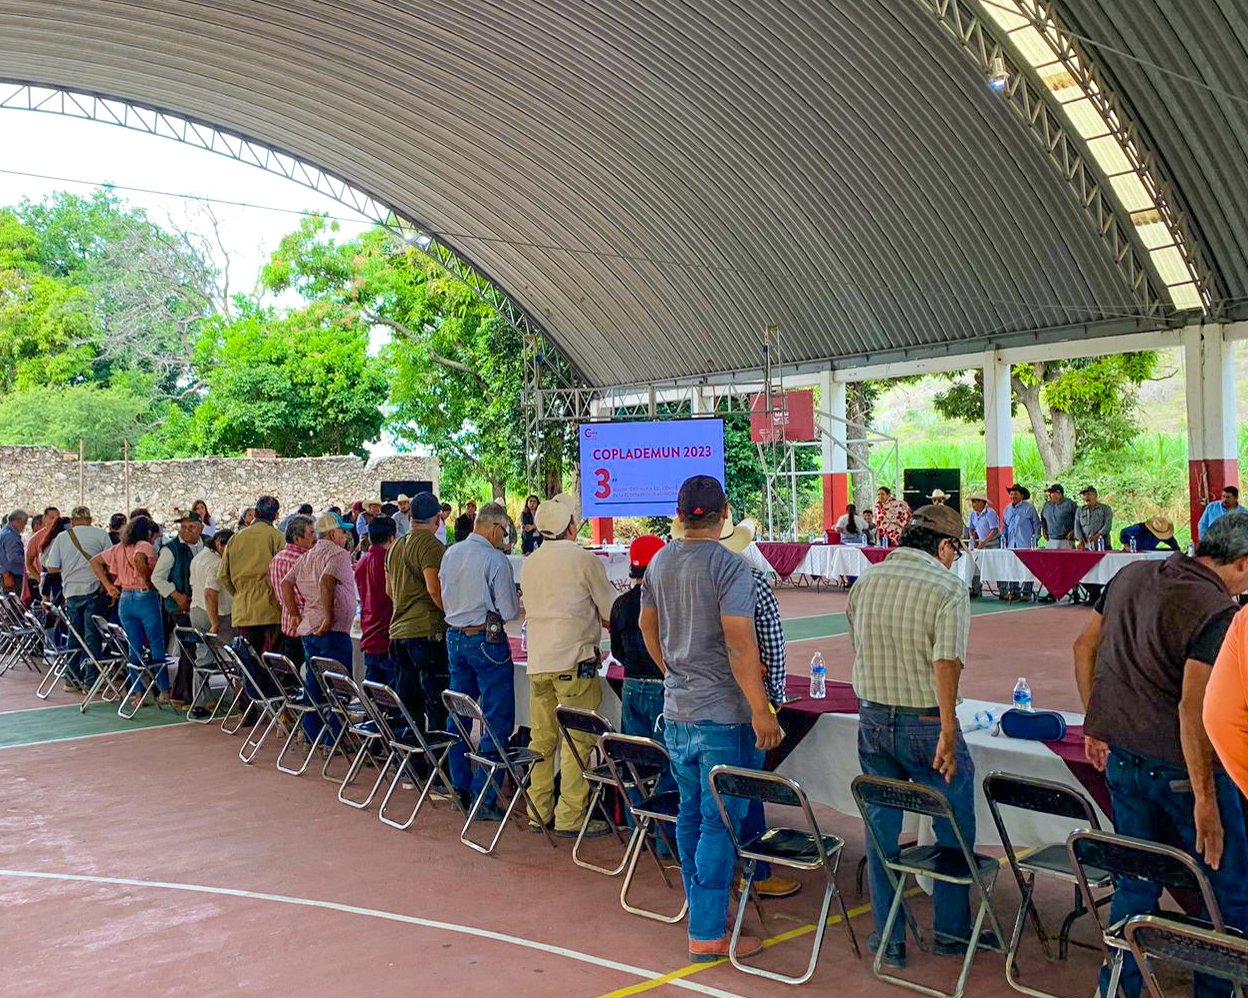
[144, 857]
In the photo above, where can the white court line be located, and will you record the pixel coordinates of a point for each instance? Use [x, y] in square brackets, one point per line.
[350, 909]
[96, 734]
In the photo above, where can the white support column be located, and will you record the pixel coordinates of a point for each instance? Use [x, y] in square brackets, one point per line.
[701, 401]
[602, 529]
[1212, 426]
[998, 430]
[834, 463]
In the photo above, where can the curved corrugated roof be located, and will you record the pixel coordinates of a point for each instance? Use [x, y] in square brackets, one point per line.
[653, 181]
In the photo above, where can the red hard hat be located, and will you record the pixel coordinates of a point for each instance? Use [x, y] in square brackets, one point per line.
[643, 549]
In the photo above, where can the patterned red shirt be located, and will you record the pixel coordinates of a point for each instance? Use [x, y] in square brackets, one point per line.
[892, 516]
[282, 563]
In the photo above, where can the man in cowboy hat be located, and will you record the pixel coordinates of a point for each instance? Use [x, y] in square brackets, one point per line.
[1022, 528]
[939, 497]
[1150, 535]
[984, 530]
[403, 517]
[567, 598]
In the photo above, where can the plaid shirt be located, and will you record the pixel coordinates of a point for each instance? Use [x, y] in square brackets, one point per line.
[904, 614]
[770, 635]
[282, 563]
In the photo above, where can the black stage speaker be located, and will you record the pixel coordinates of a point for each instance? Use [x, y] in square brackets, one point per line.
[921, 482]
[390, 491]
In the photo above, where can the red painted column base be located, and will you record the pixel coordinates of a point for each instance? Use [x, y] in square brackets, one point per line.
[999, 482]
[835, 497]
[1207, 477]
[602, 529]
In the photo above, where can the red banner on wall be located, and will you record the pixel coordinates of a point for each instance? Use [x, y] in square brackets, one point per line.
[791, 417]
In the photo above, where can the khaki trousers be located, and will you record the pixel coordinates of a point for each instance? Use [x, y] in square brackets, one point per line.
[546, 691]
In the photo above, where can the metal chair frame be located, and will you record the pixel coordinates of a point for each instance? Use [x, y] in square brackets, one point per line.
[515, 763]
[22, 637]
[1041, 797]
[382, 704]
[335, 711]
[915, 798]
[116, 634]
[56, 659]
[344, 689]
[597, 773]
[191, 639]
[624, 754]
[1161, 865]
[770, 788]
[113, 679]
[236, 682]
[106, 669]
[293, 702]
[1153, 939]
[266, 707]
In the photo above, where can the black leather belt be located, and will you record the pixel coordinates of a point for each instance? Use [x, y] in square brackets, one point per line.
[891, 709]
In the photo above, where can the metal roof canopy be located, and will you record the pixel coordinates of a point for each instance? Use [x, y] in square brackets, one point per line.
[654, 183]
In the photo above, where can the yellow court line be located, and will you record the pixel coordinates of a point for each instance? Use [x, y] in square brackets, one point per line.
[783, 937]
[693, 968]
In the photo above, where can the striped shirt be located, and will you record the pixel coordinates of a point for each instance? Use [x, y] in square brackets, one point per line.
[904, 614]
[282, 563]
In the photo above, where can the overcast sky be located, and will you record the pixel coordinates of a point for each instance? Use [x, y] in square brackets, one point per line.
[54, 145]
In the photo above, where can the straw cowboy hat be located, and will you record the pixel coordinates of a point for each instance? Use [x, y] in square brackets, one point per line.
[939, 494]
[1160, 527]
[736, 538]
[978, 496]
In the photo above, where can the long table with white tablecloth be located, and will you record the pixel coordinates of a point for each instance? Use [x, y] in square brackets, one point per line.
[994, 565]
[615, 560]
[824, 757]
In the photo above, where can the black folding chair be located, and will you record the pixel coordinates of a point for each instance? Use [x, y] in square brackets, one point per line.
[110, 674]
[637, 762]
[1161, 865]
[516, 763]
[406, 740]
[1156, 940]
[597, 773]
[370, 736]
[55, 656]
[338, 713]
[145, 683]
[205, 667]
[236, 682]
[797, 848]
[23, 634]
[292, 704]
[262, 708]
[1052, 860]
[960, 866]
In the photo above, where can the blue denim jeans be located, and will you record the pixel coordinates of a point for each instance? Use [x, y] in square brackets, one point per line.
[707, 859]
[902, 747]
[641, 703]
[331, 644]
[379, 668]
[142, 620]
[486, 673]
[79, 610]
[1153, 800]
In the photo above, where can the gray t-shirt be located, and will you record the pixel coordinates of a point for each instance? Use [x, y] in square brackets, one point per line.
[691, 584]
[76, 575]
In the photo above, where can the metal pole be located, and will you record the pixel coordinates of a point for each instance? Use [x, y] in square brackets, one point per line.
[125, 466]
[82, 475]
[793, 488]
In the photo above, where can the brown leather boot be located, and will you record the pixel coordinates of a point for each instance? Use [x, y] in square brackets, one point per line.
[708, 950]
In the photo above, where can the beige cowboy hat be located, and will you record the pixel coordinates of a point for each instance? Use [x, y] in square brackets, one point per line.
[939, 494]
[1160, 527]
[736, 538]
[978, 496]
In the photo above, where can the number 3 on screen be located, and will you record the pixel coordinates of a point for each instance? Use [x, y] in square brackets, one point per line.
[604, 483]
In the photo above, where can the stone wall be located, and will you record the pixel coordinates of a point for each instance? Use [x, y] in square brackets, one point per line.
[35, 477]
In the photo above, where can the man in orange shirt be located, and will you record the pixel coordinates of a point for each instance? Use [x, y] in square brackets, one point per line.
[1226, 703]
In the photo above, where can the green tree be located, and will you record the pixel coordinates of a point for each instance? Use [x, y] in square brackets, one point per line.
[455, 366]
[62, 415]
[301, 383]
[1088, 404]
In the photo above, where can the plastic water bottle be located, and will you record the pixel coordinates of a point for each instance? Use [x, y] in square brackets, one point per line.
[1135, 544]
[818, 677]
[524, 636]
[1022, 695]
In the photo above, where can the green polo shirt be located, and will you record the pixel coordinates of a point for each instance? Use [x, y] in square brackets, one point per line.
[416, 615]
